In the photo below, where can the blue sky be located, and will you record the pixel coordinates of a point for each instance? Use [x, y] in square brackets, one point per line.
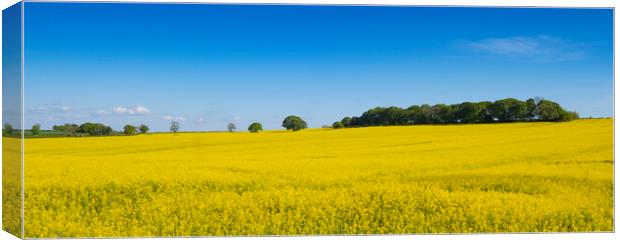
[11, 66]
[207, 65]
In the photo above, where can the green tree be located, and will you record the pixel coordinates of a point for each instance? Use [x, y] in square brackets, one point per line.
[504, 110]
[143, 128]
[532, 109]
[107, 131]
[568, 116]
[337, 125]
[500, 110]
[484, 114]
[355, 121]
[414, 114]
[35, 129]
[231, 127]
[8, 129]
[468, 112]
[509, 109]
[294, 123]
[517, 109]
[441, 113]
[95, 129]
[129, 130]
[425, 114]
[346, 121]
[549, 111]
[255, 127]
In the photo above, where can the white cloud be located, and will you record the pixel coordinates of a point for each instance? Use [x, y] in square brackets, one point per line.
[51, 108]
[142, 110]
[120, 110]
[173, 118]
[540, 47]
[137, 110]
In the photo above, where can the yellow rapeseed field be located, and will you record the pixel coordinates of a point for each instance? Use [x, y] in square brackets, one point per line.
[518, 177]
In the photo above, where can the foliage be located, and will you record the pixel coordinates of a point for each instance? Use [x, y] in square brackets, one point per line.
[129, 130]
[337, 125]
[346, 121]
[7, 130]
[70, 129]
[36, 129]
[504, 110]
[515, 177]
[95, 129]
[294, 123]
[143, 128]
[255, 127]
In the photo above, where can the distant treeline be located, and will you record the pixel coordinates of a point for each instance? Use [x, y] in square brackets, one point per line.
[504, 110]
[73, 130]
[98, 129]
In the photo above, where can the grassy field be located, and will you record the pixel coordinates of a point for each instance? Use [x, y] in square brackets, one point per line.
[521, 177]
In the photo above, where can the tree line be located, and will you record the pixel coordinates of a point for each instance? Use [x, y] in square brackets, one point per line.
[74, 130]
[98, 129]
[504, 110]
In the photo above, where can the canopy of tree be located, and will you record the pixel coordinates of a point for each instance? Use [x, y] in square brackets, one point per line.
[95, 129]
[36, 129]
[255, 127]
[337, 125]
[70, 129]
[504, 110]
[130, 130]
[143, 128]
[294, 123]
[7, 130]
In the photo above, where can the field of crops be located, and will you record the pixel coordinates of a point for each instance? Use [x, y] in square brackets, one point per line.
[521, 177]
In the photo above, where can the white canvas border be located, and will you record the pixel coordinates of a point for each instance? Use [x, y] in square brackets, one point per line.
[474, 3]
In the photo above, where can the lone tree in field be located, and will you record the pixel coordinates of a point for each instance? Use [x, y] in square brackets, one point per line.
[129, 130]
[143, 128]
[8, 129]
[231, 127]
[36, 129]
[337, 125]
[294, 123]
[255, 127]
[174, 127]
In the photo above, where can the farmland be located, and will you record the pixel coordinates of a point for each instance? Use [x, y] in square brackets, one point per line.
[513, 177]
